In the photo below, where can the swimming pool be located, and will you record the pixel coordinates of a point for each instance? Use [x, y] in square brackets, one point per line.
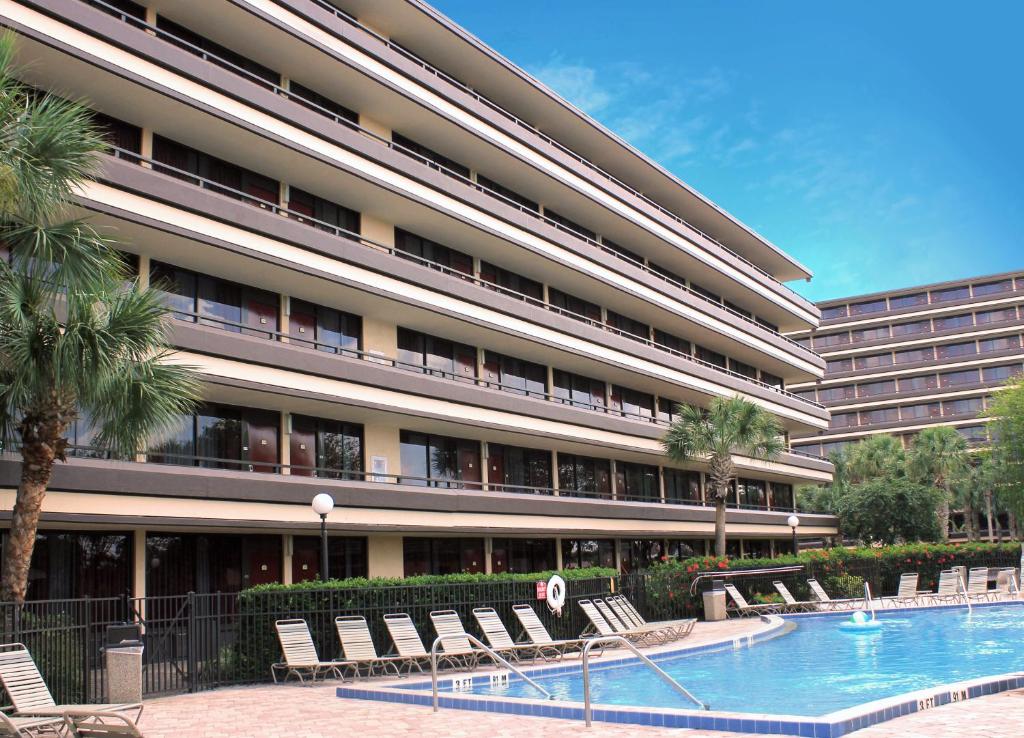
[814, 670]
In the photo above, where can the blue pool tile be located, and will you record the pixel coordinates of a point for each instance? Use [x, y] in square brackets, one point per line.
[790, 728]
[806, 729]
[822, 730]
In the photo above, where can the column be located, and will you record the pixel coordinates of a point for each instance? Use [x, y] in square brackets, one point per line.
[284, 318]
[384, 556]
[488, 553]
[612, 483]
[661, 483]
[287, 550]
[284, 446]
[554, 472]
[144, 270]
[559, 564]
[139, 570]
[146, 146]
[485, 469]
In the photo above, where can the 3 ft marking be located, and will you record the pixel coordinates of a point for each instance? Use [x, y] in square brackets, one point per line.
[462, 684]
[926, 704]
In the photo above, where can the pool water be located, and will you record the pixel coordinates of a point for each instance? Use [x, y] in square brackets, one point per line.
[817, 668]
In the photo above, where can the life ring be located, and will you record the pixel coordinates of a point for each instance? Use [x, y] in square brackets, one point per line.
[556, 594]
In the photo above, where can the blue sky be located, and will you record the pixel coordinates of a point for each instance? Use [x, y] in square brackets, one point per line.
[881, 143]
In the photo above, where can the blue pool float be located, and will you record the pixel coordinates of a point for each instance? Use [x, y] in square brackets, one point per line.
[859, 623]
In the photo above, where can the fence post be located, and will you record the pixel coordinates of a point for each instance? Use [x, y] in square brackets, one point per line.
[87, 653]
[190, 635]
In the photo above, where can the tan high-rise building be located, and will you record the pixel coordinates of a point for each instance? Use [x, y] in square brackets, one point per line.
[411, 277]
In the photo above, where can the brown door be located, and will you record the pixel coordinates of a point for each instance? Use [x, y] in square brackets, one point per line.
[305, 558]
[496, 465]
[303, 448]
[262, 560]
[260, 314]
[260, 440]
[465, 362]
[302, 325]
[469, 465]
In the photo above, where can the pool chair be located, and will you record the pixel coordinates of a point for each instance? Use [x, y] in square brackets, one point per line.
[599, 625]
[907, 592]
[14, 726]
[658, 633]
[625, 609]
[742, 608]
[357, 645]
[977, 585]
[33, 702]
[792, 603]
[499, 639]
[456, 646]
[409, 644]
[949, 589]
[300, 656]
[538, 634]
[824, 602]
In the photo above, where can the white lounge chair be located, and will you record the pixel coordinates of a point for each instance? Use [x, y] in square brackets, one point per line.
[408, 642]
[656, 633]
[300, 656]
[28, 727]
[949, 589]
[792, 603]
[357, 645]
[977, 584]
[501, 641]
[538, 634]
[906, 592]
[824, 602]
[743, 608]
[681, 627]
[455, 646]
[32, 699]
[599, 625]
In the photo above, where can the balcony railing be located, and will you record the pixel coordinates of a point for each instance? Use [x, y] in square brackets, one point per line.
[353, 236]
[256, 79]
[164, 458]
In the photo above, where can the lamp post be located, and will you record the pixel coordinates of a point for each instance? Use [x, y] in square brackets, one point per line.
[323, 503]
[794, 523]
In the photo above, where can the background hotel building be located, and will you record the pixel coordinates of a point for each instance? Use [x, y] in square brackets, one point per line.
[414, 278]
[909, 359]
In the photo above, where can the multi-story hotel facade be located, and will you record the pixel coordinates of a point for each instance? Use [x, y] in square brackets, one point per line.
[901, 361]
[412, 277]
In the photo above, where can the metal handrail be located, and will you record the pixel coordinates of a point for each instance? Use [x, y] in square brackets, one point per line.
[486, 649]
[963, 591]
[605, 640]
[868, 600]
[743, 573]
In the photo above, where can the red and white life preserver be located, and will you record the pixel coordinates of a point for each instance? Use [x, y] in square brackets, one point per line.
[556, 594]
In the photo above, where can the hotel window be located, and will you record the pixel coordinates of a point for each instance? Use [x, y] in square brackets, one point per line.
[439, 461]
[442, 556]
[629, 326]
[322, 210]
[446, 165]
[583, 476]
[772, 380]
[231, 178]
[914, 384]
[905, 301]
[681, 486]
[673, 343]
[954, 321]
[326, 448]
[639, 555]
[927, 410]
[830, 313]
[320, 101]
[832, 339]
[128, 8]
[436, 355]
[202, 44]
[177, 563]
[74, 564]
[515, 375]
[574, 307]
[668, 409]
[913, 355]
[831, 394]
[752, 493]
[1000, 373]
[570, 224]
[741, 368]
[578, 390]
[765, 324]
[881, 415]
[346, 557]
[843, 420]
[911, 329]
[221, 437]
[709, 356]
[631, 403]
[870, 334]
[805, 342]
[119, 134]
[974, 433]
[807, 395]
[952, 379]
[523, 470]
[951, 293]
[993, 288]
[636, 481]
[871, 306]
[522, 555]
[332, 330]
[511, 281]
[433, 252]
[966, 406]
[494, 188]
[588, 553]
[622, 250]
[827, 449]
[874, 361]
[782, 496]
[872, 389]
[737, 309]
[998, 344]
[668, 273]
[706, 293]
[953, 350]
[838, 365]
[996, 316]
[216, 302]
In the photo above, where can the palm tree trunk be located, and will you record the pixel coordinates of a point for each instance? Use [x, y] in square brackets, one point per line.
[970, 519]
[720, 525]
[992, 534]
[943, 513]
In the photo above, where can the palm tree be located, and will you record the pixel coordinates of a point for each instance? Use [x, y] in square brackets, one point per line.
[729, 426]
[875, 456]
[75, 339]
[939, 456]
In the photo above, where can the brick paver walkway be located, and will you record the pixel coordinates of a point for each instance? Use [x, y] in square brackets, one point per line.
[998, 716]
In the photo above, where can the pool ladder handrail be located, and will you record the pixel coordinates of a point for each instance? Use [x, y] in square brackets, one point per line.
[605, 640]
[473, 640]
[868, 600]
[963, 591]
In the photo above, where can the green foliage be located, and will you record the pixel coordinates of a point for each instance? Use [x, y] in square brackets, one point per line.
[844, 586]
[877, 456]
[1006, 428]
[889, 511]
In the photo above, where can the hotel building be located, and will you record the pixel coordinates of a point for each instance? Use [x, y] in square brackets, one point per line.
[414, 278]
[898, 362]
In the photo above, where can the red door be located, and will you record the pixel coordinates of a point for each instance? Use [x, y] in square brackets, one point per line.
[302, 327]
[469, 465]
[260, 440]
[303, 448]
[305, 558]
[260, 314]
[465, 362]
[496, 466]
[262, 560]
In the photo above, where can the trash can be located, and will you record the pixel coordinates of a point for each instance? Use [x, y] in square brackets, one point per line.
[714, 601]
[123, 659]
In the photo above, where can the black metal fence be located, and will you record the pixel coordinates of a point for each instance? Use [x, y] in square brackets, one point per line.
[202, 641]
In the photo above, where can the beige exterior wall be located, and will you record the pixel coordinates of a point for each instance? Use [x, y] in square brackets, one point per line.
[383, 441]
[384, 556]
